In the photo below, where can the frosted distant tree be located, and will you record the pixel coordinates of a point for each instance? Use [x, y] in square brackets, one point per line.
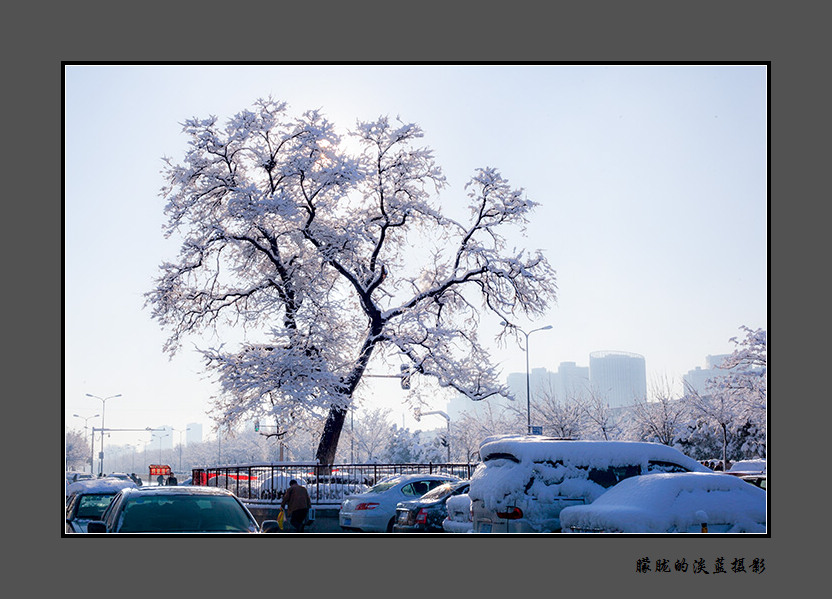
[735, 404]
[660, 417]
[472, 427]
[371, 432]
[406, 447]
[599, 420]
[77, 450]
[560, 417]
[747, 381]
[322, 260]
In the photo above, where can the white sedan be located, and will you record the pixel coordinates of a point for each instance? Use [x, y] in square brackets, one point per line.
[375, 510]
[672, 503]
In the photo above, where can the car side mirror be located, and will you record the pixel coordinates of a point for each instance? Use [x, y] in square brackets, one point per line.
[96, 526]
[270, 526]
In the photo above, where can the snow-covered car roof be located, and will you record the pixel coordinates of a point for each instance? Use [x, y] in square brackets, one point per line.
[678, 502]
[99, 485]
[600, 454]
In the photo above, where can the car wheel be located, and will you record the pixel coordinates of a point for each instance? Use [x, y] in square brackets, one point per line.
[390, 524]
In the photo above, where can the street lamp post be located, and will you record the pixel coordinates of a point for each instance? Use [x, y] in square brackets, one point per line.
[92, 441]
[101, 453]
[160, 437]
[180, 444]
[420, 413]
[528, 391]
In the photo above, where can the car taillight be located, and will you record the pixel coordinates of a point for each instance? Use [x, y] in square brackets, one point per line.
[513, 513]
[422, 516]
[366, 506]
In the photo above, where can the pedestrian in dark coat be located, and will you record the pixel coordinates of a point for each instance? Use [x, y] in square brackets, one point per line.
[297, 503]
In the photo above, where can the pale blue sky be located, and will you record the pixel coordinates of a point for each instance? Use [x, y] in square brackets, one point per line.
[651, 179]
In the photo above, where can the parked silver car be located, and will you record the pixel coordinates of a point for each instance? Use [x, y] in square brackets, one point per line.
[375, 510]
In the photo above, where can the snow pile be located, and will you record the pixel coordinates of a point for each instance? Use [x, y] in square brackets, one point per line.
[542, 475]
[681, 502]
[459, 514]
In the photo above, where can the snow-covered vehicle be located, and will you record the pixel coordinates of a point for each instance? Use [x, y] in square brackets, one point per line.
[73, 476]
[459, 514]
[88, 498]
[273, 487]
[746, 467]
[693, 502]
[335, 487]
[524, 482]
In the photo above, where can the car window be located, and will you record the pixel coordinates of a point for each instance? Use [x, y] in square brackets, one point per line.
[432, 484]
[416, 488]
[660, 467]
[501, 456]
[438, 491]
[92, 506]
[109, 515]
[613, 475]
[381, 487]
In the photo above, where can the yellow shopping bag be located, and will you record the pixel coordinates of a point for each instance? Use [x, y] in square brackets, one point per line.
[280, 517]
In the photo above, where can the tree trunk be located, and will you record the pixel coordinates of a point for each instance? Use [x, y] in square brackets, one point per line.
[328, 445]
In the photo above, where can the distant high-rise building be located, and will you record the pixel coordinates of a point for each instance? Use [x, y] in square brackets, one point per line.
[697, 379]
[716, 361]
[572, 381]
[162, 437]
[540, 381]
[194, 434]
[462, 403]
[619, 377]
[569, 382]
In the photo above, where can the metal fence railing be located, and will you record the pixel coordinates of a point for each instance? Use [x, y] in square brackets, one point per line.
[326, 484]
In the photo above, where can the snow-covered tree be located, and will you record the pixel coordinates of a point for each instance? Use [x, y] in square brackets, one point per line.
[560, 417]
[77, 450]
[323, 260]
[735, 404]
[599, 420]
[369, 432]
[747, 379]
[660, 416]
[406, 447]
[471, 427]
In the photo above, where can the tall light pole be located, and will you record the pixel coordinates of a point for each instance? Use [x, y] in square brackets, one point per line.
[180, 431]
[160, 437]
[101, 453]
[92, 441]
[528, 391]
[420, 413]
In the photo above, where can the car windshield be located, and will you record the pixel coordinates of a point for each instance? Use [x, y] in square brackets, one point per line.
[438, 492]
[93, 505]
[184, 513]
